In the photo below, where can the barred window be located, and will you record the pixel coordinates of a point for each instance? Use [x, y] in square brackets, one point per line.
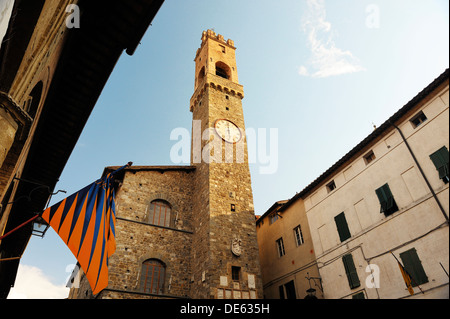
[160, 212]
[152, 276]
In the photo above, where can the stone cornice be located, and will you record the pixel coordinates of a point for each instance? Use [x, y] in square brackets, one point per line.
[217, 83]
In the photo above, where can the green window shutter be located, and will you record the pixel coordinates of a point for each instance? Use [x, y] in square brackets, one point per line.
[440, 159]
[413, 266]
[390, 197]
[359, 295]
[387, 202]
[342, 227]
[382, 198]
[350, 271]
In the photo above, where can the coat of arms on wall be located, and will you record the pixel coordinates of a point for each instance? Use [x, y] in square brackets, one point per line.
[236, 246]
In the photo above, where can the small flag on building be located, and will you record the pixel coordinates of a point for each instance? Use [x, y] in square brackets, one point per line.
[406, 278]
[85, 221]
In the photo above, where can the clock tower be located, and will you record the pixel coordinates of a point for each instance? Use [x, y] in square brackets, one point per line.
[224, 255]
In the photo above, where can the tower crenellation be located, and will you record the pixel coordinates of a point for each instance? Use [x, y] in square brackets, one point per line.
[212, 35]
[215, 67]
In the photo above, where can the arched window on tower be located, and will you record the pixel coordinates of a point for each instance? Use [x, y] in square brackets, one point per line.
[201, 76]
[223, 70]
[160, 213]
[153, 274]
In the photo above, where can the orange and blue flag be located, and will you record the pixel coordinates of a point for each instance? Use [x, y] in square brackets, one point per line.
[85, 221]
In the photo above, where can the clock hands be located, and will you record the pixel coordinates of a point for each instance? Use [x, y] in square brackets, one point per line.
[228, 131]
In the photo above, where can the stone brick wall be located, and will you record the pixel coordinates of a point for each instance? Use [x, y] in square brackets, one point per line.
[138, 241]
[140, 187]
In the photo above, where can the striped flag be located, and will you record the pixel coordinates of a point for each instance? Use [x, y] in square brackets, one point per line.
[407, 278]
[85, 221]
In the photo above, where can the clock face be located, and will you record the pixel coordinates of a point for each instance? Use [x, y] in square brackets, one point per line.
[228, 131]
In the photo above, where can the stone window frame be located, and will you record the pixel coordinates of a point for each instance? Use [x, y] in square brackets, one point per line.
[160, 213]
[164, 259]
[175, 212]
[174, 209]
[223, 70]
[160, 277]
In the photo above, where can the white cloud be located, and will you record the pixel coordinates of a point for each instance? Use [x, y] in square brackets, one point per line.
[303, 71]
[326, 59]
[32, 283]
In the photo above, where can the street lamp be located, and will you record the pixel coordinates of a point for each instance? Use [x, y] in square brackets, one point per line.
[311, 292]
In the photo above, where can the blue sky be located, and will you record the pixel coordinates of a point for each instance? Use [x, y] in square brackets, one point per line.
[321, 72]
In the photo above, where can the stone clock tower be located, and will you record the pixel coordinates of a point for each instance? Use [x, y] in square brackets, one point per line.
[224, 249]
[190, 231]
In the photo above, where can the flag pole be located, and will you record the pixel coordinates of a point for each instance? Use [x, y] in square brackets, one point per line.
[18, 227]
[121, 168]
[443, 269]
[407, 273]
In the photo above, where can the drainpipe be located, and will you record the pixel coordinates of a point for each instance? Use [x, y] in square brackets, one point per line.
[421, 171]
